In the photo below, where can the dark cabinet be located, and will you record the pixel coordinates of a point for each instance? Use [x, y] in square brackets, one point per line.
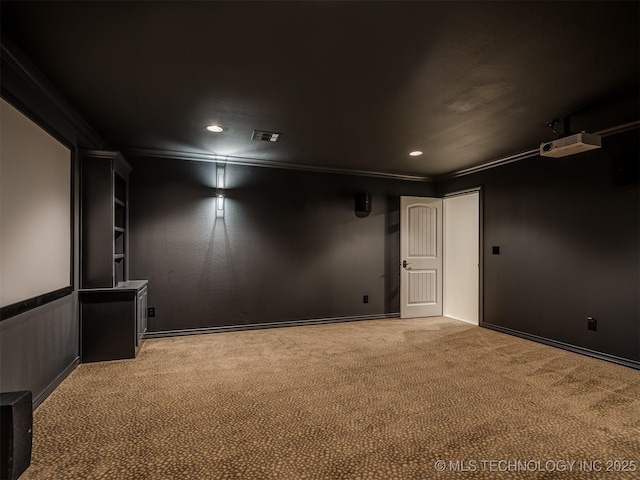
[113, 309]
[113, 321]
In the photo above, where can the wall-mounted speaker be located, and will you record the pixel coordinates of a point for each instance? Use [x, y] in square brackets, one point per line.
[16, 420]
[362, 204]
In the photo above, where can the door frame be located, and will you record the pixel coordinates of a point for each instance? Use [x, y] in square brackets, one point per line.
[479, 190]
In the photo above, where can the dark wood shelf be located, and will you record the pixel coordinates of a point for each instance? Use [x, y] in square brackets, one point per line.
[119, 256]
[119, 229]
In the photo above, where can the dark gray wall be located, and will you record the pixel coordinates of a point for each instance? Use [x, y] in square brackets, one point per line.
[40, 347]
[569, 248]
[289, 247]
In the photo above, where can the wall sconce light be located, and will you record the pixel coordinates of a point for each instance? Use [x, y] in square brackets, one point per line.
[220, 206]
[220, 190]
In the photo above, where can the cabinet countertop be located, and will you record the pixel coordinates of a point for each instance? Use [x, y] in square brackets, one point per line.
[131, 285]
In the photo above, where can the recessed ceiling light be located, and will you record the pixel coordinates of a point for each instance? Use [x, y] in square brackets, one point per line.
[415, 153]
[214, 128]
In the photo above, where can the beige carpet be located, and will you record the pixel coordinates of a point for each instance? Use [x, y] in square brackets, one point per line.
[382, 399]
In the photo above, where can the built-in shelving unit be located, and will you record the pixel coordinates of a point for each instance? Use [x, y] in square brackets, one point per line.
[105, 219]
[120, 225]
[113, 309]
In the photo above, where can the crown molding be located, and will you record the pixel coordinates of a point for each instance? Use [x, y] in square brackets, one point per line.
[489, 165]
[13, 58]
[254, 162]
[607, 132]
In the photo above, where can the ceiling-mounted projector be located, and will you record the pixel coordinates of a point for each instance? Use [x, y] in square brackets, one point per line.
[570, 145]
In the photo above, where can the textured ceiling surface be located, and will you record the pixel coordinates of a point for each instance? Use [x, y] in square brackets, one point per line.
[352, 85]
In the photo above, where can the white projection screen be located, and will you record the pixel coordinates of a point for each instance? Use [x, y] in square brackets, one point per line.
[36, 227]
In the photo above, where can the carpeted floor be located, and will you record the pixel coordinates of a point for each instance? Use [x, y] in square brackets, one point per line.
[384, 399]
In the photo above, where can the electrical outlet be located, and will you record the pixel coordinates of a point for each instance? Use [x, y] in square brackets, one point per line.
[151, 312]
[365, 299]
[592, 324]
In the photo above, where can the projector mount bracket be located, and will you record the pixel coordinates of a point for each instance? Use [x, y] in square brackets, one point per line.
[566, 127]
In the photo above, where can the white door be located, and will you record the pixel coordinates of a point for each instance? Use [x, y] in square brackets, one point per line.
[421, 257]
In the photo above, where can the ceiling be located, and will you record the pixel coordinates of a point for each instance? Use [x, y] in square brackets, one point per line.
[349, 85]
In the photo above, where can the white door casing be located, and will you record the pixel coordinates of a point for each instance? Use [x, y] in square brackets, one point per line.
[421, 257]
[461, 262]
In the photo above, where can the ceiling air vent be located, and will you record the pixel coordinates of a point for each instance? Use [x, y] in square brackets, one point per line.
[263, 136]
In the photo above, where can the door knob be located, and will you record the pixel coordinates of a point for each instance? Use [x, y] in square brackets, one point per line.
[405, 263]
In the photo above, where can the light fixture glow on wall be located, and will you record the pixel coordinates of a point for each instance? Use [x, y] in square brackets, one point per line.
[215, 128]
[415, 153]
[220, 206]
[220, 172]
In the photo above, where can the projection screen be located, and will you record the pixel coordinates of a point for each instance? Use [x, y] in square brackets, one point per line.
[36, 227]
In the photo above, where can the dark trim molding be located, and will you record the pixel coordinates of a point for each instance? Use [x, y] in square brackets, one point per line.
[57, 381]
[18, 62]
[31, 303]
[254, 162]
[565, 346]
[258, 326]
